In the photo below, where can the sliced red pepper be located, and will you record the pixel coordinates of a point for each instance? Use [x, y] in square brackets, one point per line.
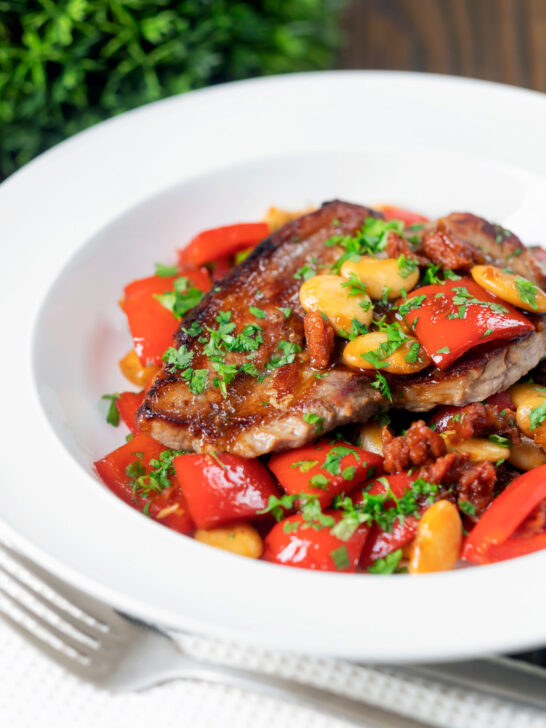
[293, 542]
[168, 507]
[448, 329]
[152, 325]
[391, 212]
[222, 488]
[127, 404]
[505, 515]
[223, 241]
[325, 469]
[380, 543]
[513, 547]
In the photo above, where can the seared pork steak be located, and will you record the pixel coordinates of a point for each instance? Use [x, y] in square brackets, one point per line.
[255, 390]
[281, 402]
[473, 378]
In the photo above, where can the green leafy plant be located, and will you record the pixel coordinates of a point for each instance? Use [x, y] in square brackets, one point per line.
[66, 64]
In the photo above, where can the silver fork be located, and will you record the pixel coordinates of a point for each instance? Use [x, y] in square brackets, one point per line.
[101, 646]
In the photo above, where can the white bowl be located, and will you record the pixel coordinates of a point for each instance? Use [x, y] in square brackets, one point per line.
[97, 211]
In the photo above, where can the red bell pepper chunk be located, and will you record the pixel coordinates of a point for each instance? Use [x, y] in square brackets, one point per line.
[391, 212]
[221, 488]
[380, 543]
[223, 241]
[292, 542]
[168, 507]
[127, 404]
[324, 469]
[513, 547]
[505, 515]
[152, 325]
[453, 319]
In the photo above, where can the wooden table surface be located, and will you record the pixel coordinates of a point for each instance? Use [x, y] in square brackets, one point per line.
[498, 40]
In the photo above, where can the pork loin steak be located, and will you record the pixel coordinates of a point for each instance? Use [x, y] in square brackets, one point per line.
[474, 377]
[291, 405]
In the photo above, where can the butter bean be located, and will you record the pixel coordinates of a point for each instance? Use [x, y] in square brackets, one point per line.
[379, 275]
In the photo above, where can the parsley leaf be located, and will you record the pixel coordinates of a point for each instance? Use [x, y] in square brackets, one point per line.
[388, 565]
[112, 416]
[500, 440]
[537, 416]
[314, 419]
[177, 359]
[340, 557]
[304, 466]
[382, 385]
[406, 266]
[371, 239]
[467, 508]
[285, 310]
[164, 271]
[258, 312]
[184, 297]
[527, 292]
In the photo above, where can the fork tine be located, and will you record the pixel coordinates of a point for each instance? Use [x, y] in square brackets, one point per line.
[62, 658]
[91, 611]
[74, 622]
[69, 642]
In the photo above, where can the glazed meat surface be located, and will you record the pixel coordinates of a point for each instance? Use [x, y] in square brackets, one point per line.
[474, 377]
[290, 405]
[479, 241]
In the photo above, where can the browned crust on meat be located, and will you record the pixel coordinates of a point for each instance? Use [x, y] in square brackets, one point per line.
[257, 417]
[494, 244]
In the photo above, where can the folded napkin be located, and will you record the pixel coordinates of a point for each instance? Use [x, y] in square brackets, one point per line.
[35, 693]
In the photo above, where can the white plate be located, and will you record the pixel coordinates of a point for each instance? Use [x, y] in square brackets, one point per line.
[97, 211]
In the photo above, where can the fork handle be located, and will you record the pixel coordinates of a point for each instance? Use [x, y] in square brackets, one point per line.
[358, 712]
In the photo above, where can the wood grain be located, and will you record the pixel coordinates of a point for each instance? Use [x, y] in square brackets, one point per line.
[498, 40]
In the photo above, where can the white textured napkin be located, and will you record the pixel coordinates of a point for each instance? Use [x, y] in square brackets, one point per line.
[35, 693]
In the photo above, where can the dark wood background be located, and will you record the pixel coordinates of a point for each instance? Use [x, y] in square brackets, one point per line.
[498, 40]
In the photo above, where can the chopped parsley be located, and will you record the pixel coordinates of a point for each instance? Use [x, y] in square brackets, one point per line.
[356, 287]
[112, 416]
[177, 359]
[289, 351]
[304, 466]
[340, 557]
[406, 266]
[145, 484]
[463, 298]
[527, 292]
[500, 440]
[411, 303]
[413, 353]
[319, 481]
[444, 350]
[387, 565]
[467, 507]
[164, 271]
[314, 419]
[306, 271]
[514, 253]
[537, 416]
[349, 472]
[333, 459]
[370, 239]
[486, 334]
[184, 297]
[285, 311]
[258, 312]
[382, 386]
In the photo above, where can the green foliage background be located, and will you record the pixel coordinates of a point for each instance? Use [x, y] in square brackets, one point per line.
[66, 64]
